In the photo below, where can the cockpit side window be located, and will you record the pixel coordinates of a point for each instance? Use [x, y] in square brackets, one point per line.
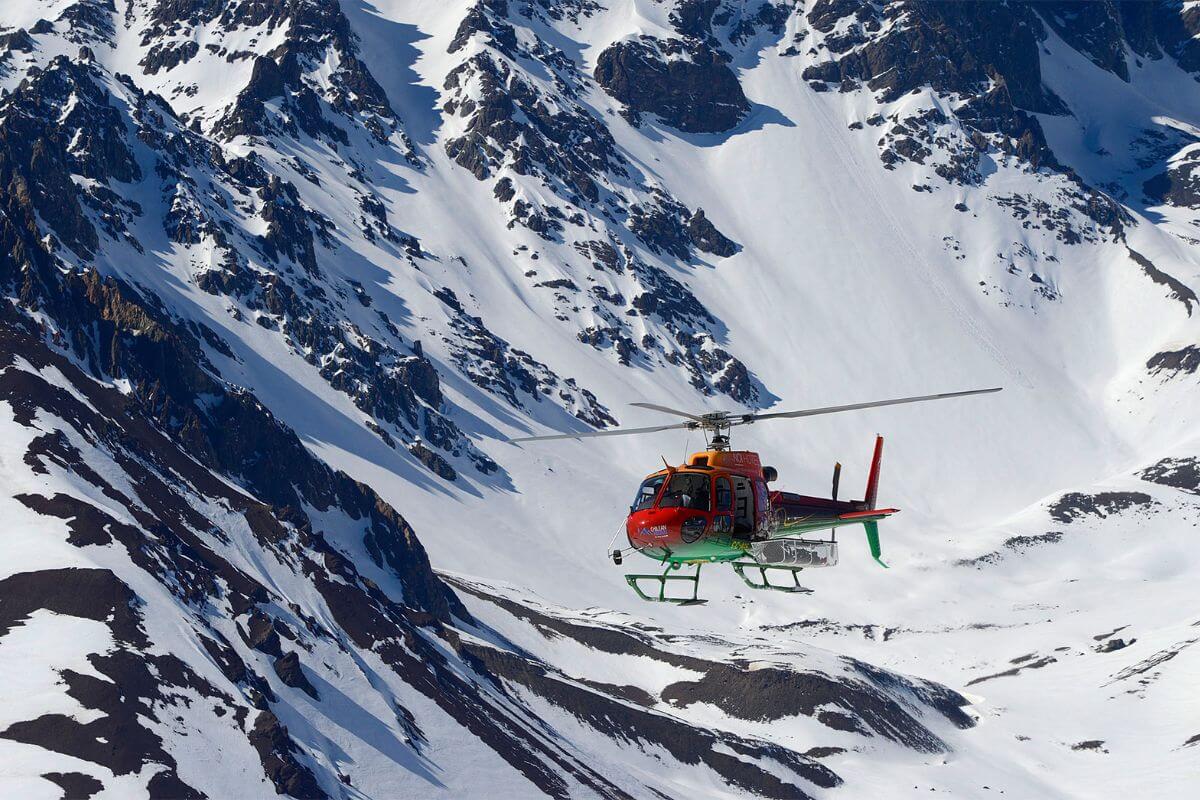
[647, 492]
[687, 490]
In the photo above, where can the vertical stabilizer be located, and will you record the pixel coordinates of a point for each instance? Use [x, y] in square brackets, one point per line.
[873, 477]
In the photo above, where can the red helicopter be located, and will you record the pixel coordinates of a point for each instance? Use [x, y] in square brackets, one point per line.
[717, 508]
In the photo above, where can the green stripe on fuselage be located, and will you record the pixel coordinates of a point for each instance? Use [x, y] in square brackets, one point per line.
[722, 547]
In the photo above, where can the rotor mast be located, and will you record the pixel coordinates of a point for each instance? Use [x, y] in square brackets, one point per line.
[717, 424]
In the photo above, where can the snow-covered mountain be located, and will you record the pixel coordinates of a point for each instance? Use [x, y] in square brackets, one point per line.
[280, 277]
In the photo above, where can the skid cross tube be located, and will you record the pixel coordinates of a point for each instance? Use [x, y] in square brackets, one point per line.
[740, 566]
[661, 580]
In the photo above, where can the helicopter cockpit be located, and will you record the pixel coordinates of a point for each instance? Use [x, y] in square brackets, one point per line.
[687, 490]
[690, 490]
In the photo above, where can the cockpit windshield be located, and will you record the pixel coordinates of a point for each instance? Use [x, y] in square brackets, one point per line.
[647, 492]
[687, 490]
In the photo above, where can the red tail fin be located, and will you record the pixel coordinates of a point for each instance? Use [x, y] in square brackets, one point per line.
[873, 478]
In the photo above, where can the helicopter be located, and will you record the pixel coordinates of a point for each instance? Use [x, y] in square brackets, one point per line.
[717, 508]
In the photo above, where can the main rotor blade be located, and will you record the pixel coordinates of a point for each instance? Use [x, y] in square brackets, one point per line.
[613, 432]
[667, 410]
[812, 412]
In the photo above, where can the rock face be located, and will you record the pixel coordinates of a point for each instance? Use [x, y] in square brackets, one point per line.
[706, 237]
[559, 173]
[191, 481]
[984, 60]
[691, 89]
[255, 253]
[238, 595]
[951, 47]
[1177, 186]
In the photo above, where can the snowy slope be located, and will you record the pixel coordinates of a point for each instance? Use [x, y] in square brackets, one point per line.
[413, 229]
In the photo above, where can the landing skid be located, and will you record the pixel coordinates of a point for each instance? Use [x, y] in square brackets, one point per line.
[763, 570]
[661, 581]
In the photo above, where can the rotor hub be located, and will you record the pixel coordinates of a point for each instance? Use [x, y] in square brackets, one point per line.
[716, 427]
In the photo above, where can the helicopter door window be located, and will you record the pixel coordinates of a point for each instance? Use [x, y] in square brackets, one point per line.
[647, 492]
[743, 506]
[687, 490]
[724, 495]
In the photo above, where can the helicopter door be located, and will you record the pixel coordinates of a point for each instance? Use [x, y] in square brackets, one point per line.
[762, 508]
[723, 519]
[743, 507]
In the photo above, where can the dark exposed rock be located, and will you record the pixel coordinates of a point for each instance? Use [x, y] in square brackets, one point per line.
[1103, 30]
[1029, 662]
[1180, 473]
[276, 750]
[706, 237]
[764, 693]
[261, 634]
[288, 230]
[41, 148]
[824, 752]
[224, 430]
[18, 40]
[511, 124]
[661, 227]
[75, 785]
[94, 594]
[693, 18]
[291, 672]
[604, 337]
[955, 48]
[996, 112]
[1074, 505]
[518, 126]
[1178, 290]
[492, 364]
[128, 691]
[89, 21]
[1186, 360]
[316, 32]
[770, 17]
[696, 93]
[363, 366]
[1112, 645]
[688, 745]
[1018, 544]
[1177, 186]
[436, 464]
[167, 56]
[374, 624]
[486, 17]
[1094, 29]
[768, 694]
